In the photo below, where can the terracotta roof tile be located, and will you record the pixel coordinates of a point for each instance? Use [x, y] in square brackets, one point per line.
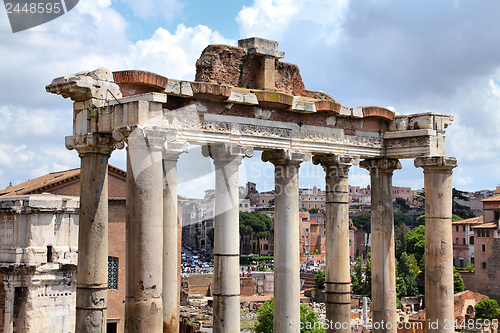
[473, 220]
[487, 225]
[39, 184]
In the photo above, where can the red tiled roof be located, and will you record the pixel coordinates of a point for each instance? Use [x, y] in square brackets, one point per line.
[43, 183]
[488, 225]
[472, 220]
[493, 198]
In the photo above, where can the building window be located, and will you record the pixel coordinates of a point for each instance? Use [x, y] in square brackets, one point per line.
[464, 228]
[464, 241]
[483, 264]
[472, 261]
[471, 240]
[487, 233]
[112, 273]
[456, 240]
[456, 227]
[483, 247]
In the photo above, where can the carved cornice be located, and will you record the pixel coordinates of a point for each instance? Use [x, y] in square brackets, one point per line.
[435, 162]
[93, 143]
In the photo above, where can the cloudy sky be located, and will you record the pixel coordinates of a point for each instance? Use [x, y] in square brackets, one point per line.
[416, 56]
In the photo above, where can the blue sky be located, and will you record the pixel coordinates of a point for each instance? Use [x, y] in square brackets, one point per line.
[416, 56]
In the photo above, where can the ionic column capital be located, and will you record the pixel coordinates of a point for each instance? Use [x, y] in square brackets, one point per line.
[285, 157]
[435, 162]
[385, 165]
[223, 152]
[93, 143]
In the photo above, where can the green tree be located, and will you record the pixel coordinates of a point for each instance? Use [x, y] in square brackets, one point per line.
[416, 243]
[400, 218]
[487, 309]
[319, 279]
[257, 224]
[308, 319]
[265, 317]
[361, 280]
[458, 283]
[458, 209]
[407, 275]
[403, 205]
[400, 239]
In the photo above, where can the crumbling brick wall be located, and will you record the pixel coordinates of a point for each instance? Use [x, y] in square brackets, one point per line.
[230, 65]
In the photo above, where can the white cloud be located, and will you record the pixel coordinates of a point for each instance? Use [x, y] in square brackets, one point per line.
[174, 54]
[273, 19]
[33, 122]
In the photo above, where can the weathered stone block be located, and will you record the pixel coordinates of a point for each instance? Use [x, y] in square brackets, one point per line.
[261, 46]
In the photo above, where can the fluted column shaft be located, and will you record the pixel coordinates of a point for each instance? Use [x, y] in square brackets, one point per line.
[337, 261]
[384, 310]
[144, 231]
[286, 240]
[439, 306]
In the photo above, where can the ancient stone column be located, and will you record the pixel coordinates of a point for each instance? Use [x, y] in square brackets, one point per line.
[439, 308]
[337, 261]
[144, 231]
[92, 274]
[226, 293]
[384, 310]
[171, 297]
[286, 239]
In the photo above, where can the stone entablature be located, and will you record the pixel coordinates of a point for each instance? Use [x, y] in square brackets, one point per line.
[38, 260]
[30, 224]
[220, 109]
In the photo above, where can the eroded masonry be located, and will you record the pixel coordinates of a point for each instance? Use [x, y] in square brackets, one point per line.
[244, 99]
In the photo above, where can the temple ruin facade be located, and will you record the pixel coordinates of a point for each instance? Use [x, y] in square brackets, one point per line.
[244, 99]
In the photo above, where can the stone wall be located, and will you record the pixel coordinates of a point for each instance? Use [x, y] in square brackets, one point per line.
[230, 65]
[197, 284]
